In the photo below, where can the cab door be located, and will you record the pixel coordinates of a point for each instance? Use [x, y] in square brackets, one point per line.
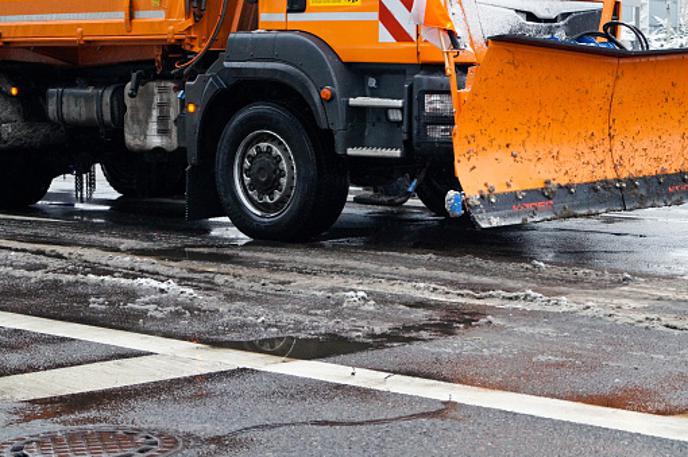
[373, 31]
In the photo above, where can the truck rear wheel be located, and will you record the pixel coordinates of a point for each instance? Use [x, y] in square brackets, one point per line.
[276, 178]
[432, 191]
[132, 176]
[22, 183]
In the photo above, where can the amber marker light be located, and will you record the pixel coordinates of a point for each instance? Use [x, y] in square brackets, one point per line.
[326, 93]
[191, 108]
[14, 91]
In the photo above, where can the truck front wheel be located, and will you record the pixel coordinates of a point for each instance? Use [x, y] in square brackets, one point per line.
[22, 182]
[276, 178]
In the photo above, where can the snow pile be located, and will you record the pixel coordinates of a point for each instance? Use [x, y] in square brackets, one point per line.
[551, 359]
[97, 303]
[530, 297]
[539, 265]
[155, 299]
[169, 287]
[358, 299]
[668, 37]
[154, 310]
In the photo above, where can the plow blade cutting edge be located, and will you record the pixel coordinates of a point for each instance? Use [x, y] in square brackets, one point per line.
[550, 130]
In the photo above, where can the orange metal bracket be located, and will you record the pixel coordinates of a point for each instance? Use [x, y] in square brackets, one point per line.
[607, 12]
[128, 13]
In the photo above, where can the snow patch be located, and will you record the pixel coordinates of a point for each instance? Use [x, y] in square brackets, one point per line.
[155, 292]
[153, 310]
[553, 359]
[168, 287]
[97, 303]
[527, 296]
[668, 37]
[539, 265]
[358, 299]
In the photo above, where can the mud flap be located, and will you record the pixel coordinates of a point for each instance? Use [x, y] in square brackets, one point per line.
[551, 130]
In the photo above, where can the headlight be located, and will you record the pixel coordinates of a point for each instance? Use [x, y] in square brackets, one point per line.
[439, 105]
[439, 132]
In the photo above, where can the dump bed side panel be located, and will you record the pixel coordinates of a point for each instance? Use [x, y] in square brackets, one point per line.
[74, 23]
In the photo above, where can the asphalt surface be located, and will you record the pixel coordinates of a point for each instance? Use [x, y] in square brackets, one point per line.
[593, 311]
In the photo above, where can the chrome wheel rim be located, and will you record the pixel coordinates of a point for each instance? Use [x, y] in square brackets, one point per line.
[265, 174]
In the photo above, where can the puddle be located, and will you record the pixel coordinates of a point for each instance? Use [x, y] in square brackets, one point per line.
[186, 253]
[302, 348]
[450, 323]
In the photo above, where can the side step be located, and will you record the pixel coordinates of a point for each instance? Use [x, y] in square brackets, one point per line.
[380, 103]
[383, 153]
[373, 102]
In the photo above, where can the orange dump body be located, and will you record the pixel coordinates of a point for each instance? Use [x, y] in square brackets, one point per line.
[80, 32]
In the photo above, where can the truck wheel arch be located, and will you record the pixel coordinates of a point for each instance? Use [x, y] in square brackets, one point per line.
[204, 134]
[292, 66]
[298, 61]
[230, 100]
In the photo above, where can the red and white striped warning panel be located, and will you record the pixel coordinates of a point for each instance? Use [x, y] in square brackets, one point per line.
[396, 23]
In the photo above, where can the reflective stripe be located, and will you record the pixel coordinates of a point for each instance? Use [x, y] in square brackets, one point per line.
[384, 36]
[384, 153]
[273, 17]
[375, 102]
[402, 19]
[312, 17]
[101, 16]
[149, 14]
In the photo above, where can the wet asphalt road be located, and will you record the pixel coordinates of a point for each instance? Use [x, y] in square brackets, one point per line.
[591, 311]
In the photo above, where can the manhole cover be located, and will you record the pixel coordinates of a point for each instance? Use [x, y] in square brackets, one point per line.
[92, 442]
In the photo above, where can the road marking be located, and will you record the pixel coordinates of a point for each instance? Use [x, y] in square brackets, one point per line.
[32, 219]
[103, 375]
[186, 357]
[643, 218]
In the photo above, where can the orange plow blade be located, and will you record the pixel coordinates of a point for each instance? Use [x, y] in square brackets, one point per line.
[551, 130]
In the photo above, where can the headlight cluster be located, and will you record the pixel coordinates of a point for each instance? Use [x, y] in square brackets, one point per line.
[439, 105]
[438, 116]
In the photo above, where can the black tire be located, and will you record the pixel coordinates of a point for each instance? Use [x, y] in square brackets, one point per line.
[22, 182]
[432, 191]
[133, 176]
[276, 176]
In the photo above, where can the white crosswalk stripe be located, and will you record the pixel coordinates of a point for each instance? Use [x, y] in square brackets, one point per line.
[103, 375]
[176, 359]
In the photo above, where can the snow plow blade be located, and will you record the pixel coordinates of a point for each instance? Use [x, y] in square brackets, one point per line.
[551, 130]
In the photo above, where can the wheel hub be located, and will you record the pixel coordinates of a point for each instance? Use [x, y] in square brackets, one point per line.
[265, 174]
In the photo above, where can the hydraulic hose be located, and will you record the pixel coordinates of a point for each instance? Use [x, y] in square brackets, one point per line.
[642, 39]
[189, 65]
[597, 34]
[607, 34]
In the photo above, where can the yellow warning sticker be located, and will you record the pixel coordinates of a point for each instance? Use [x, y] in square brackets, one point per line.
[334, 2]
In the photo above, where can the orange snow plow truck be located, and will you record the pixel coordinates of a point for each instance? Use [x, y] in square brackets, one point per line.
[266, 111]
